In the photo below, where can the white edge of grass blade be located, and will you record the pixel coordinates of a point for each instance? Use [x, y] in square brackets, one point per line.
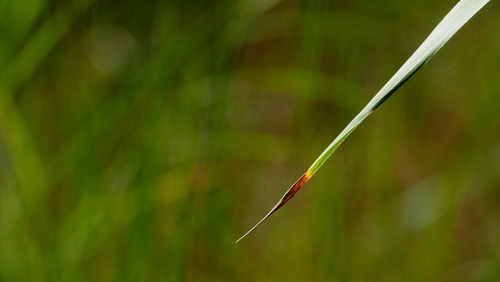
[451, 23]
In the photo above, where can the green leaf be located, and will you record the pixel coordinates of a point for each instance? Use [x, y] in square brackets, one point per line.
[451, 23]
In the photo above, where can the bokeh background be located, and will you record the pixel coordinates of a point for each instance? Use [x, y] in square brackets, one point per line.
[139, 139]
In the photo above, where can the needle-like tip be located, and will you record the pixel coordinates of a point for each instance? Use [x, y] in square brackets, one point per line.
[288, 195]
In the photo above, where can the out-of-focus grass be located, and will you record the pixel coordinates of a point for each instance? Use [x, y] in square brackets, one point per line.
[138, 140]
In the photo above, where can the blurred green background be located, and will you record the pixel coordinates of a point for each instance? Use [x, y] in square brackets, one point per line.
[139, 139]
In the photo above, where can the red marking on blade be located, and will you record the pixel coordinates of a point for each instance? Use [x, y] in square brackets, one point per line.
[288, 195]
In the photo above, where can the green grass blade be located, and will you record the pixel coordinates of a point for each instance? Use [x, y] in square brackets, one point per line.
[451, 23]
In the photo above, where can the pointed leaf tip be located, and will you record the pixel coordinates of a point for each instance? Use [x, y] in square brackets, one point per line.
[284, 199]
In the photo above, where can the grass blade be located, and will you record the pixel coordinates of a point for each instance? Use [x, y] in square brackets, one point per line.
[451, 23]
